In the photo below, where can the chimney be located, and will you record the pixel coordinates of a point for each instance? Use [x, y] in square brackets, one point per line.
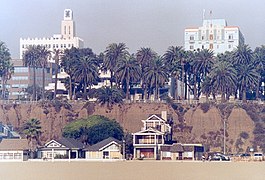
[164, 115]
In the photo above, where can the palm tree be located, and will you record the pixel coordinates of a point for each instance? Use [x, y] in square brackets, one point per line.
[56, 57]
[32, 130]
[242, 55]
[145, 56]
[30, 59]
[114, 53]
[202, 64]
[86, 72]
[223, 76]
[173, 59]
[128, 71]
[248, 78]
[156, 75]
[6, 68]
[259, 61]
[44, 54]
[69, 59]
[109, 96]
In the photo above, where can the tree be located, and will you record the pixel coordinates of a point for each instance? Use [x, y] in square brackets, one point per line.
[86, 72]
[113, 54]
[109, 96]
[127, 72]
[31, 60]
[242, 55]
[68, 61]
[156, 75]
[93, 129]
[202, 64]
[144, 57]
[223, 76]
[44, 54]
[173, 59]
[32, 130]
[56, 57]
[248, 78]
[6, 68]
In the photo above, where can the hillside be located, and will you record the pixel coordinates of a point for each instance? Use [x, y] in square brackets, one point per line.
[245, 124]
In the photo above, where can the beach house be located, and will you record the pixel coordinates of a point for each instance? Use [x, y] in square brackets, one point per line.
[109, 148]
[155, 133]
[64, 148]
[14, 150]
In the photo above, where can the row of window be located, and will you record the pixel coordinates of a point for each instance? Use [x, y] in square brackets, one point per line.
[230, 37]
[51, 45]
[10, 156]
[211, 46]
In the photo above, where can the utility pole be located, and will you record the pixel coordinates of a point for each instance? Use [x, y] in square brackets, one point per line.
[123, 149]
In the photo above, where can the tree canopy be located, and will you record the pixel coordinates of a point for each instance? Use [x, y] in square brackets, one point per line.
[93, 129]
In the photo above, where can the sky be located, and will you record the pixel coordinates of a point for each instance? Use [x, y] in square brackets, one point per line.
[137, 23]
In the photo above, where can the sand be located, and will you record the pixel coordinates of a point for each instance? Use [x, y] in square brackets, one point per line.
[133, 170]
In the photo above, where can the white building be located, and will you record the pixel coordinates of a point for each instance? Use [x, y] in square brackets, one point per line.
[214, 34]
[66, 39]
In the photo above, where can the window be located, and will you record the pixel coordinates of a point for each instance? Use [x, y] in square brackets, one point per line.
[211, 37]
[202, 46]
[229, 46]
[230, 37]
[211, 46]
[105, 154]
[192, 38]
[202, 37]
[191, 47]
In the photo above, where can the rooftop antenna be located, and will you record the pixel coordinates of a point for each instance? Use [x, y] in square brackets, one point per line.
[203, 14]
[211, 13]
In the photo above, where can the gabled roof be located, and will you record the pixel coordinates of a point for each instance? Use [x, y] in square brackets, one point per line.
[14, 144]
[66, 143]
[149, 130]
[154, 117]
[98, 146]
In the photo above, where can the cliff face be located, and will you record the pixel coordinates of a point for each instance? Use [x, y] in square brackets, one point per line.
[191, 124]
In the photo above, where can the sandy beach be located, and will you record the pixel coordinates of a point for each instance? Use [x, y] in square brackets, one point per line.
[131, 170]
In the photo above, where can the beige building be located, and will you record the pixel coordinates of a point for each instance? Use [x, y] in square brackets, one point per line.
[109, 148]
[13, 150]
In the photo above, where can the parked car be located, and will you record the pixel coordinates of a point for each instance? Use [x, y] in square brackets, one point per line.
[258, 156]
[219, 157]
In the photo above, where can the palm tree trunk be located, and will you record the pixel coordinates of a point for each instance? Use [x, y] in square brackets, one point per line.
[244, 98]
[56, 79]
[257, 89]
[182, 80]
[195, 87]
[3, 88]
[43, 82]
[176, 87]
[85, 86]
[127, 87]
[70, 88]
[34, 84]
[156, 90]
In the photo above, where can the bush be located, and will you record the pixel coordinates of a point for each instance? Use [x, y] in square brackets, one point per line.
[244, 135]
[205, 107]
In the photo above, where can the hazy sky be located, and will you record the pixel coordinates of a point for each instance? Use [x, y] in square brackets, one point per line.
[138, 23]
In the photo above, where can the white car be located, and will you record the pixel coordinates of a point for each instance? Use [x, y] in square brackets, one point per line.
[258, 156]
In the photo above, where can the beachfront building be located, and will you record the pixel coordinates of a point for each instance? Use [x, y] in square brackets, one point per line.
[155, 133]
[7, 132]
[214, 34]
[14, 150]
[178, 151]
[64, 148]
[109, 148]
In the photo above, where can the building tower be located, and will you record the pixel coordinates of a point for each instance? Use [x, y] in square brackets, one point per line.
[68, 25]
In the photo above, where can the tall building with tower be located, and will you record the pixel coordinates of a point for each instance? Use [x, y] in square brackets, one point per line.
[65, 40]
[214, 34]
